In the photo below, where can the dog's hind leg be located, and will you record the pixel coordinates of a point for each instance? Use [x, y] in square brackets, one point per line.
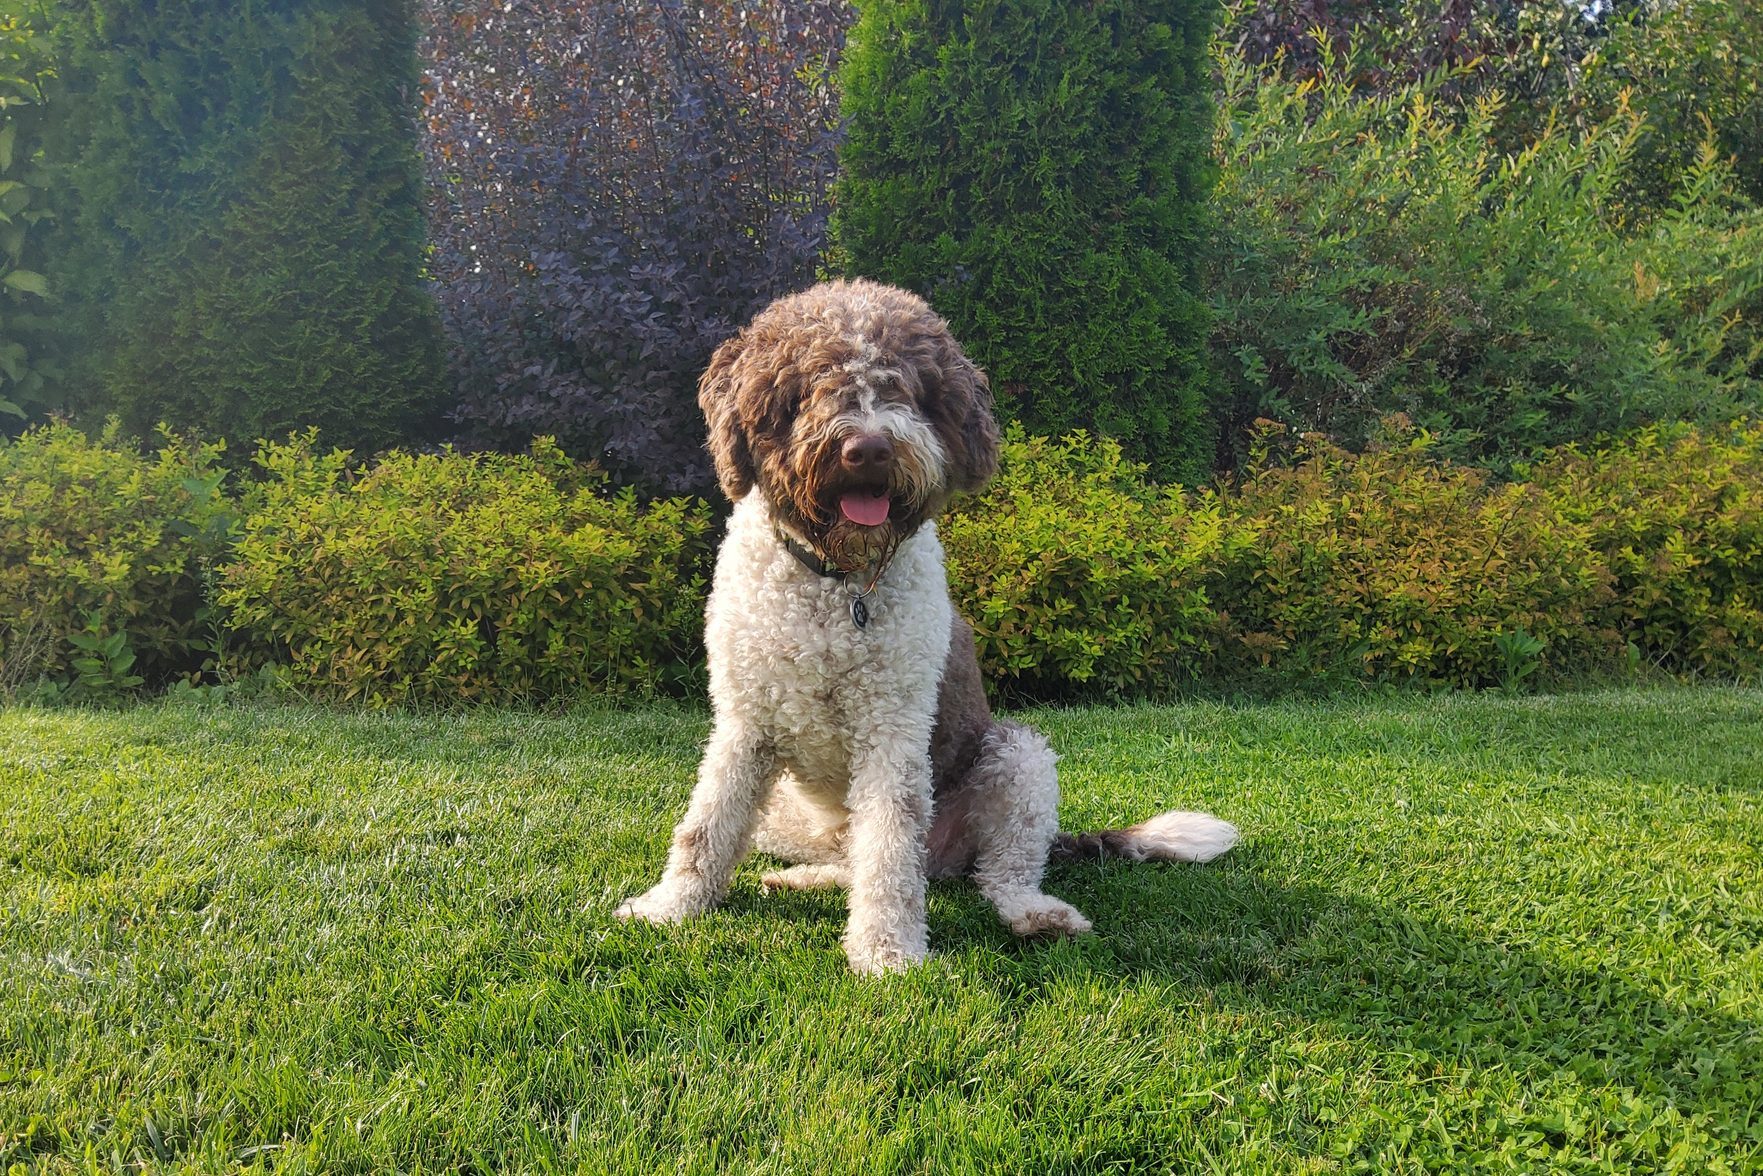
[817, 876]
[1011, 795]
[716, 831]
[796, 829]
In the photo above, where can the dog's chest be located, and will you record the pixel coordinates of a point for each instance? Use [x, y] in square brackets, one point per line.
[787, 656]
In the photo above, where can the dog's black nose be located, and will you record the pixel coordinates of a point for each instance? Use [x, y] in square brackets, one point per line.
[867, 451]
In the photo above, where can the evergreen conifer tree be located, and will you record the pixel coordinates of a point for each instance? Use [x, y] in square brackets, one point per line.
[242, 230]
[1037, 169]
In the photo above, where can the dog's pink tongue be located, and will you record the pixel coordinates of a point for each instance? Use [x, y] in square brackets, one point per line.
[865, 509]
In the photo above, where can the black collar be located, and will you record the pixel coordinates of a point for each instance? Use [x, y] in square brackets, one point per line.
[810, 559]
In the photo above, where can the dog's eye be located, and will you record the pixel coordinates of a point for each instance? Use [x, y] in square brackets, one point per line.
[927, 395]
[895, 393]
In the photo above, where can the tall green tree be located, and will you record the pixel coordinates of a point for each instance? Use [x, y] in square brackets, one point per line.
[1038, 170]
[242, 233]
[27, 368]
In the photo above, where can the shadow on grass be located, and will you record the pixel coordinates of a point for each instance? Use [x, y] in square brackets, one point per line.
[1375, 973]
[1414, 988]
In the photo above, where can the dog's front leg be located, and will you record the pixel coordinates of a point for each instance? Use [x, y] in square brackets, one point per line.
[713, 837]
[890, 802]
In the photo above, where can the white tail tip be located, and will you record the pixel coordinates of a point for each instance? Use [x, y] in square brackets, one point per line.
[1182, 837]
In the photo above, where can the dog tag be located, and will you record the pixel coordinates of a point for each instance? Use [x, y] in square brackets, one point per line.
[859, 612]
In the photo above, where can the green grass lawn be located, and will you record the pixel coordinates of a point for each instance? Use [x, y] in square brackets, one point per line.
[1461, 932]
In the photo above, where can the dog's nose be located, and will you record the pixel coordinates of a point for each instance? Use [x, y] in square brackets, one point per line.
[867, 451]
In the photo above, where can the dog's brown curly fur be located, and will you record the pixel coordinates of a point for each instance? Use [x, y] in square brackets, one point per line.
[774, 394]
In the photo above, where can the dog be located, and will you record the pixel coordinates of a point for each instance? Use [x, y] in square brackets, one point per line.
[852, 735]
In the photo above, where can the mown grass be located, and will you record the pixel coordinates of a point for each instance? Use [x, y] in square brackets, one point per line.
[1462, 932]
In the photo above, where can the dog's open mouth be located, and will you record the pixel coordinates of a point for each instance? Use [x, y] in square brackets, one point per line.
[867, 507]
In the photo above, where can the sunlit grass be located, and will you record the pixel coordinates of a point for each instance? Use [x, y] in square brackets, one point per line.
[1461, 932]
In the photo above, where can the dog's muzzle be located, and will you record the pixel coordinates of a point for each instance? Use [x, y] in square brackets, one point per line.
[867, 459]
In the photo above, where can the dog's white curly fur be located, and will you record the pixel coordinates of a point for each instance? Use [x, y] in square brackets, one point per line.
[833, 719]
[822, 749]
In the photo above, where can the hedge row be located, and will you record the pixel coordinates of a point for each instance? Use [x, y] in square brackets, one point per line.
[446, 576]
[1319, 564]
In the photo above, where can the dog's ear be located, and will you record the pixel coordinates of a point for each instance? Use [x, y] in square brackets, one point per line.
[970, 433]
[727, 439]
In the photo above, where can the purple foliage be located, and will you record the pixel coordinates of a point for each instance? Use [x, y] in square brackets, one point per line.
[618, 186]
[1507, 43]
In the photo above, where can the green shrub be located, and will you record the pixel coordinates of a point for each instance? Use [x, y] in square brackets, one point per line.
[1395, 565]
[1695, 68]
[98, 542]
[1037, 170]
[1677, 515]
[1320, 566]
[447, 577]
[241, 230]
[1379, 254]
[1079, 574]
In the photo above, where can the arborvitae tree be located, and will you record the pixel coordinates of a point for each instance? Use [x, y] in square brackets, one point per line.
[242, 233]
[1037, 169]
[27, 365]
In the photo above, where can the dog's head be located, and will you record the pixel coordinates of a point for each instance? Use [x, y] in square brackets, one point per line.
[852, 409]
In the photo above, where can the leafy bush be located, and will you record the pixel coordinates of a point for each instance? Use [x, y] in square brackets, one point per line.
[447, 577]
[1378, 254]
[242, 228]
[1079, 574]
[1681, 63]
[1037, 170]
[26, 364]
[619, 186]
[1395, 565]
[100, 544]
[1677, 61]
[1677, 515]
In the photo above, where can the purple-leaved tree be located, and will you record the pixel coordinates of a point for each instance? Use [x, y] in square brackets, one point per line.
[617, 187]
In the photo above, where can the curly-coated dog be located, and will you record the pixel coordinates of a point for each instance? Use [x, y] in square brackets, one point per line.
[851, 733]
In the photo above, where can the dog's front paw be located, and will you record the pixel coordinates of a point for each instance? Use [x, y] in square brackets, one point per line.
[883, 960]
[662, 904]
[875, 953]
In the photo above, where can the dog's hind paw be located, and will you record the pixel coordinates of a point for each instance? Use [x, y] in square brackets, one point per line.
[1042, 915]
[809, 877]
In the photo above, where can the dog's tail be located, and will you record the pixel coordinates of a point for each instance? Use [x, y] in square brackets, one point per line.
[1168, 837]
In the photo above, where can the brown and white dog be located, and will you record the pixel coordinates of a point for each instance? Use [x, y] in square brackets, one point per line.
[852, 734]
